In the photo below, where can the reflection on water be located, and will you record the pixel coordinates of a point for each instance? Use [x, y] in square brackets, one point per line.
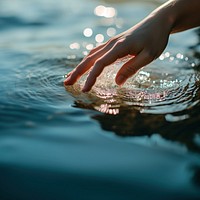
[168, 85]
[162, 98]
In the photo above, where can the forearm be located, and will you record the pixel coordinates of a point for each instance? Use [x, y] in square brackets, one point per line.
[180, 14]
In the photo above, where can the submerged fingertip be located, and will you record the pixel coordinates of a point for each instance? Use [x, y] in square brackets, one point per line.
[120, 80]
[67, 81]
[84, 90]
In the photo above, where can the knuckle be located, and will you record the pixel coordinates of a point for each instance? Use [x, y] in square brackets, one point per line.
[96, 49]
[119, 44]
[99, 62]
[111, 42]
[114, 39]
[92, 51]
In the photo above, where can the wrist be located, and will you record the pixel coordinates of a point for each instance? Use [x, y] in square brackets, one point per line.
[180, 15]
[166, 15]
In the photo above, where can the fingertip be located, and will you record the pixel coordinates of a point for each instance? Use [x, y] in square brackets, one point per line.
[85, 89]
[120, 79]
[68, 81]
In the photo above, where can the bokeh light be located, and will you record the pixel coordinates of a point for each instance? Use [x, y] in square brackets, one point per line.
[74, 45]
[103, 11]
[89, 46]
[99, 38]
[111, 31]
[87, 32]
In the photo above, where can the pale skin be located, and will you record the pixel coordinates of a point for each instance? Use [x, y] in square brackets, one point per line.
[144, 42]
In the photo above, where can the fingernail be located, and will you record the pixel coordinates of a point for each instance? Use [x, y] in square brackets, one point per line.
[120, 80]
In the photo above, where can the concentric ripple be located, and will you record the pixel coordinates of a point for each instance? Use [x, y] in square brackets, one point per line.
[40, 82]
[33, 93]
[167, 85]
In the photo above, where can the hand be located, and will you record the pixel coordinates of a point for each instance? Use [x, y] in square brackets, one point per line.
[144, 42]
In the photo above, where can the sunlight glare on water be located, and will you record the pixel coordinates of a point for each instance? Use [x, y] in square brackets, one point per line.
[157, 88]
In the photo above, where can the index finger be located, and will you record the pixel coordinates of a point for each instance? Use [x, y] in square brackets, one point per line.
[111, 56]
[82, 67]
[86, 64]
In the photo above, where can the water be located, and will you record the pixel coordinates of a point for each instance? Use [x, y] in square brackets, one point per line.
[138, 141]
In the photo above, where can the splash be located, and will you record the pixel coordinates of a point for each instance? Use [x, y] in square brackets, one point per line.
[165, 86]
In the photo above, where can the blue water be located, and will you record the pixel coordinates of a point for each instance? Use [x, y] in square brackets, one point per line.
[141, 141]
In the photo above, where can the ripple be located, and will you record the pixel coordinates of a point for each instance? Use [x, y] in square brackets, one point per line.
[40, 81]
[13, 22]
[168, 85]
[34, 93]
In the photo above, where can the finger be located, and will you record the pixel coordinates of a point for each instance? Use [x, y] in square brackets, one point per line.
[133, 65]
[95, 49]
[86, 63]
[107, 59]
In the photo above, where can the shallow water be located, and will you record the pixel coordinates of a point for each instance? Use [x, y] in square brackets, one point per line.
[138, 141]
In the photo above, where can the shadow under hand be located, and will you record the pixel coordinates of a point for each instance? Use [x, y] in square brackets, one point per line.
[162, 99]
[129, 121]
